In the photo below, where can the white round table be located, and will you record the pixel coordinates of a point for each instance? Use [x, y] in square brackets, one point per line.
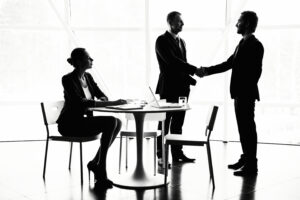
[139, 179]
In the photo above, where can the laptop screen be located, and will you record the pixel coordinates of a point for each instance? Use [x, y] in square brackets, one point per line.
[152, 93]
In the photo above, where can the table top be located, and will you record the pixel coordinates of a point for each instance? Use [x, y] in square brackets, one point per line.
[145, 109]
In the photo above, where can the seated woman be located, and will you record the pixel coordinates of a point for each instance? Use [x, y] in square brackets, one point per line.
[80, 90]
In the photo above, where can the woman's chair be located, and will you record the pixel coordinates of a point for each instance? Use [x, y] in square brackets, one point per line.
[51, 111]
[147, 134]
[173, 139]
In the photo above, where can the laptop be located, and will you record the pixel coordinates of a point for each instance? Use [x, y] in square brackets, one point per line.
[158, 104]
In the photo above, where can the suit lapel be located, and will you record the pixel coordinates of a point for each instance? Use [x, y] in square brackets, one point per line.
[77, 84]
[179, 52]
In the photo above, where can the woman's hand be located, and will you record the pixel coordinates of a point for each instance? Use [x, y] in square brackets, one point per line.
[120, 102]
[109, 103]
[104, 99]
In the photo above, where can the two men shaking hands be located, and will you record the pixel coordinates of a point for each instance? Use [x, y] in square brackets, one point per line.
[245, 64]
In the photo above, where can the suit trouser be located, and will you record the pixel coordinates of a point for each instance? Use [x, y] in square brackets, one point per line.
[244, 111]
[173, 123]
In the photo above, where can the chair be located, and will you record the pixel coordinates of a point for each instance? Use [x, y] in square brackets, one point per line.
[51, 111]
[173, 139]
[147, 134]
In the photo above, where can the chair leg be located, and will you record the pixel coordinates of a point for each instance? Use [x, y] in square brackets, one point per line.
[81, 171]
[210, 164]
[155, 144]
[120, 154]
[126, 152]
[45, 158]
[70, 158]
[166, 161]
[163, 144]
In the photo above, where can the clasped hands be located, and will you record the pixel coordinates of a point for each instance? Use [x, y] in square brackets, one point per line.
[201, 72]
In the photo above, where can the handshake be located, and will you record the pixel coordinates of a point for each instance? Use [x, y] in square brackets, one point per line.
[201, 72]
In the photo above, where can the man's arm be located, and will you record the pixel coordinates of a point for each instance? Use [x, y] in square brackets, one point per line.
[168, 56]
[205, 71]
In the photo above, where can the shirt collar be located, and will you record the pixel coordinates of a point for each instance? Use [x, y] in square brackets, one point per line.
[173, 35]
[247, 37]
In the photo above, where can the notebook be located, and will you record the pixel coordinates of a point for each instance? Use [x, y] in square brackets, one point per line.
[126, 107]
[158, 104]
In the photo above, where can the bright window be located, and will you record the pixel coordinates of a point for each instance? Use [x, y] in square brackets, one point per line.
[37, 37]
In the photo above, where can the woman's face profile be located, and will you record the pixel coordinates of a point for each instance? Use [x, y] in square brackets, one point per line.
[85, 62]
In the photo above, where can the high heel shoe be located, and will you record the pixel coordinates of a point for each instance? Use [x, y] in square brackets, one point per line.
[103, 183]
[101, 179]
[182, 158]
[92, 166]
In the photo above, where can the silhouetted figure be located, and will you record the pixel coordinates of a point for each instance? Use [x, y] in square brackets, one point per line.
[80, 91]
[246, 65]
[174, 80]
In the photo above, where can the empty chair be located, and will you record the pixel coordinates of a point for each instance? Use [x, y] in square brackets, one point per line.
[51, 111]
[147, 134]
[173, 139]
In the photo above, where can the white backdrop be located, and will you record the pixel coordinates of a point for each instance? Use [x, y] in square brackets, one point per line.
[36, 38]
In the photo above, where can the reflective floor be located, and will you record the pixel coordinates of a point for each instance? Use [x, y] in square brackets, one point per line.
[22, 164]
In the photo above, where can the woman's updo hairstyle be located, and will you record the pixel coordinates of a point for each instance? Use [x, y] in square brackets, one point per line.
[76, 54]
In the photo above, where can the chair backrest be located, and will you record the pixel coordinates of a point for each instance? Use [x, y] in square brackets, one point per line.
[148, 117]
[211, 118]
[51, 111]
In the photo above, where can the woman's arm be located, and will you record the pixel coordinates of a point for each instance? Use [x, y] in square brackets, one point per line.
[99, 103]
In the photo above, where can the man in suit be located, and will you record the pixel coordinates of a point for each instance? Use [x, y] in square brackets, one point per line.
[174, 80]
[246, 66]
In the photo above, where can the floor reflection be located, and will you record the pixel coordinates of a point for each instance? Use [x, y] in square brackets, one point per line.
[187, 181]
[248, 188]
[98, 193]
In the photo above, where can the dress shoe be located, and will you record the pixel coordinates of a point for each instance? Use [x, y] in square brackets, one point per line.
[161, 163]
[183, 158]
[246, 171]
[237, 165]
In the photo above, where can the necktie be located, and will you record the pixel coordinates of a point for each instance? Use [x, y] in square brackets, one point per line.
[178, 43]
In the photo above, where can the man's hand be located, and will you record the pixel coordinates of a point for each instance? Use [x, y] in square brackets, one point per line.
[201, 72]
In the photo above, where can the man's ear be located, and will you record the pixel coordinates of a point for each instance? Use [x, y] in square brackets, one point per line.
[247, 25]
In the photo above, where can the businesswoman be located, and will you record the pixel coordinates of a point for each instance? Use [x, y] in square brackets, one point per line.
[81, 92]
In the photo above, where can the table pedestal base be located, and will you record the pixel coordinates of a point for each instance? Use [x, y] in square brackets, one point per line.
[130, 182]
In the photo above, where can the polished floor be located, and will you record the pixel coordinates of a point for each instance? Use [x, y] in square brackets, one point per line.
[22, 162]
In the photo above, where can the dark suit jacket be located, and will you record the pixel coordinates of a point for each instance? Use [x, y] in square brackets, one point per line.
[174, 78]
[246, 65]
[75, 101]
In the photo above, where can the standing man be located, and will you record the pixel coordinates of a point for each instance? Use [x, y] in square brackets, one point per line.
[174, 80]
[246, 65]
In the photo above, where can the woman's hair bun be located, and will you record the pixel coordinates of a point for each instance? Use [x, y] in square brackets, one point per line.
[76, 54]
[70, 61]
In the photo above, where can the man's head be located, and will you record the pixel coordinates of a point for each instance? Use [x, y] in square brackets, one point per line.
[175, 22]
[247, 22]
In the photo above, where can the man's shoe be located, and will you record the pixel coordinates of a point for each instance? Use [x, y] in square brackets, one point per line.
[246, 171]
[237, 165]
[183, 158]
[161, 163]
[240, 163]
